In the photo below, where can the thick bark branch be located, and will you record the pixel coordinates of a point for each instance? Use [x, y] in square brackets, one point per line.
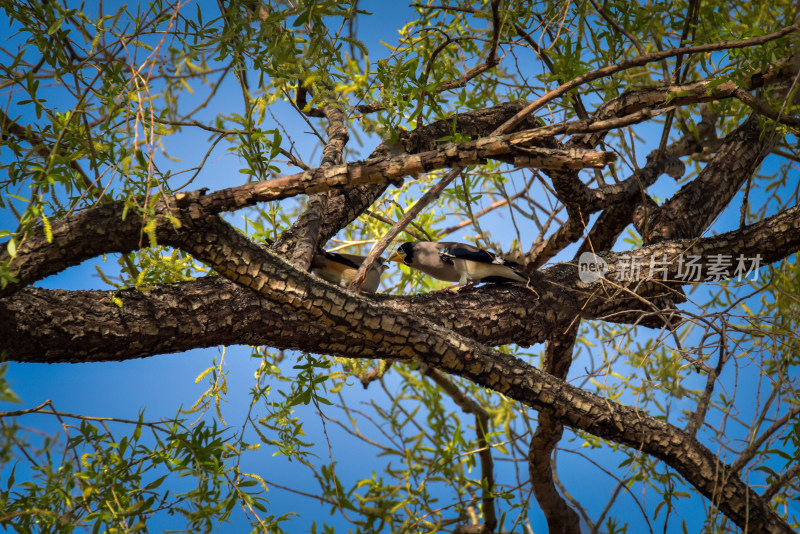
[617, 201]
[263, 299]
[632, 192]
[345, 208]
[692, 209]
[392, 170]
[300, 242]
[507, 314]
[315, 315]
[349, 203]
[75, 238]
[561, 519]
[306, 314]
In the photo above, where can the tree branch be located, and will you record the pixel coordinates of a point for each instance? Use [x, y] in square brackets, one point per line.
[482, 419]
[644, 60]
[560, 517]
[300, 242]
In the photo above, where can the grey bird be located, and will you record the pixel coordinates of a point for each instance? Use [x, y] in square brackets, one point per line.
[457, 262]
[340, 269]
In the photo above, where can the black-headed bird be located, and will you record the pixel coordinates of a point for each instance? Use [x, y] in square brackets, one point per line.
[457, 262]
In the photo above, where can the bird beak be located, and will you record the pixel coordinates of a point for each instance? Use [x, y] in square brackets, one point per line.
[397, 257]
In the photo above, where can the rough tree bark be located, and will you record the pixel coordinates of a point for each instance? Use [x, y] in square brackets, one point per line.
[264, 296]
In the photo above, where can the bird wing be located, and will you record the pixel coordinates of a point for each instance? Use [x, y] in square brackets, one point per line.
[459, 251]
[347, 260]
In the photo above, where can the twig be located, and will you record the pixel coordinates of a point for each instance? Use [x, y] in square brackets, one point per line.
[638, 62]
[493, 206]
[484, 452]
[415, 235]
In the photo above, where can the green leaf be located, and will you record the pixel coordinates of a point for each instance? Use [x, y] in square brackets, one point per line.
[12, 247]
[54, 27]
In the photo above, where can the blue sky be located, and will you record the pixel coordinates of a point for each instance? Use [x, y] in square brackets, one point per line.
[160, 385]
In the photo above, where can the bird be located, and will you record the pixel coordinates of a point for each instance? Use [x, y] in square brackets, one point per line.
[340, 269]
[457, 262]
